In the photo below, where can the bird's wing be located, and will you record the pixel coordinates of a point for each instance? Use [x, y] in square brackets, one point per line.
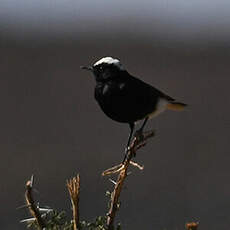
[133, 99]
[150, 90]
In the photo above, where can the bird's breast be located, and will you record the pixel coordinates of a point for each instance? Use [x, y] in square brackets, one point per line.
[113, 101]
[122, 102]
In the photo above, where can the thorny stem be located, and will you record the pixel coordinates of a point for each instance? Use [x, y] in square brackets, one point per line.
[32, 206]
[136, 144]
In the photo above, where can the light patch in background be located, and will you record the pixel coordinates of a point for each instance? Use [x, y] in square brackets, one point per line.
[195, 19]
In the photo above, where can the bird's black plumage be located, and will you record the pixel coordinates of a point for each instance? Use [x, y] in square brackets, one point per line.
[125, 98]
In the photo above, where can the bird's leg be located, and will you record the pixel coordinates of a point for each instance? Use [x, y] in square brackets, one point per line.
[139, 132]
[131, 125]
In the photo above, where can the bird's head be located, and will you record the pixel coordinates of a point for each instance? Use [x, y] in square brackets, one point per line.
[106, 68]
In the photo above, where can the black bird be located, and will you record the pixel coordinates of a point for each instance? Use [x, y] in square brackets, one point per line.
[125, 98]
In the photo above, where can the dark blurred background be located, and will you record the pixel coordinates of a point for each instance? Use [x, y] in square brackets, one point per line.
[52, 127]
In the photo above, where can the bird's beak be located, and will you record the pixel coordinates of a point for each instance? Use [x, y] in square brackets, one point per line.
[90, 68]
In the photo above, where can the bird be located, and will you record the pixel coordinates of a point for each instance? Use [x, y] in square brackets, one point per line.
[125, 98]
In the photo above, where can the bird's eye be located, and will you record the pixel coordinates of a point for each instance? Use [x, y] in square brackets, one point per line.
[101, 68]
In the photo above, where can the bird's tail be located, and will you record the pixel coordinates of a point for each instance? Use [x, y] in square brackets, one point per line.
[176, 106]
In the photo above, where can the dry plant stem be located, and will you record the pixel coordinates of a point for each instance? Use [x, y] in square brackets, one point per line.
[114, 169]
[73, 186]
[137, 165]
[32, 206]
[135, 145]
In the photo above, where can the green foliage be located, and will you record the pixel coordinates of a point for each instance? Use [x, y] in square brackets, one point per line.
[54, 221]
[58, 221]
[98, 224]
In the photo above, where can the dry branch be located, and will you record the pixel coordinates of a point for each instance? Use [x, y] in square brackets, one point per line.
[136, 144]
[73, 186]
[34, 210]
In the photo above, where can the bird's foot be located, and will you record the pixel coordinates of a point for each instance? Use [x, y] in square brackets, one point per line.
[139, 135]
[127, 149]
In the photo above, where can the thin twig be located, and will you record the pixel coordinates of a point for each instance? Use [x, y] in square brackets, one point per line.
[114, 169]
[136, 165]
[136, 144]
[34, 210]
[73, 186]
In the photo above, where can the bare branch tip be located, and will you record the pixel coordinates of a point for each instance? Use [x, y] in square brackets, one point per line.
[73, 186]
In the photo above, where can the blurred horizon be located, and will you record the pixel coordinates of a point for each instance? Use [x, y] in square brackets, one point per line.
[194, 21]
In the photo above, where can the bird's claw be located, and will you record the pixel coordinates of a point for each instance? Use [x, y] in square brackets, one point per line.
[139, 135]
[127, 149]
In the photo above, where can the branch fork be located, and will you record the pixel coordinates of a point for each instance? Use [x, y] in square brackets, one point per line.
[136, 144]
